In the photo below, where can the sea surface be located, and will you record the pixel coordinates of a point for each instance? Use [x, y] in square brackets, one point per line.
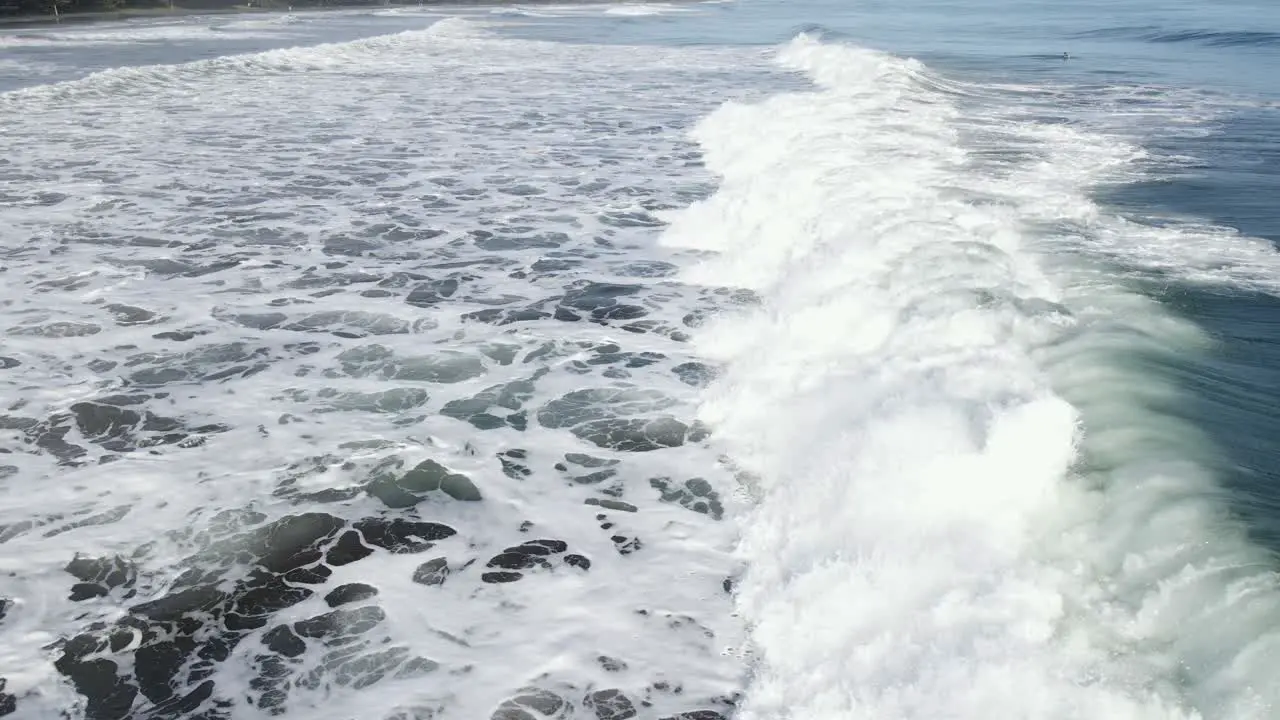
[751, 360]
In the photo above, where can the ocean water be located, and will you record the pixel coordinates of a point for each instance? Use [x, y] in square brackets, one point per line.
[697, 360]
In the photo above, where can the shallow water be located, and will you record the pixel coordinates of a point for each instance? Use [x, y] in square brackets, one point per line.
[684, 360]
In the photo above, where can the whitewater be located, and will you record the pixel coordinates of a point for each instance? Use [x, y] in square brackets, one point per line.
[424, 363]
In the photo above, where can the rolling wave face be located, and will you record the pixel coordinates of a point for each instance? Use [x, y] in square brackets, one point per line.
[79, 50]
[386, 54]
[970, 492]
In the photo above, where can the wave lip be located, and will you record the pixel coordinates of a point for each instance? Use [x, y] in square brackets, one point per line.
[380, 54]
[926, 543]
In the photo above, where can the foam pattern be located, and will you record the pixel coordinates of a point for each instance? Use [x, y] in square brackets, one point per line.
[348, 381]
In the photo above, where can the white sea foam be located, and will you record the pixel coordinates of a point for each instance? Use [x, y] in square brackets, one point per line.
[970, 503]
[645, 9]
[1107, 140]
[590, 9]
[235, 240]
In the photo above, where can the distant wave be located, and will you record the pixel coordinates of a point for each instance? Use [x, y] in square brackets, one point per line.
[1211, 38]
[1241, 38]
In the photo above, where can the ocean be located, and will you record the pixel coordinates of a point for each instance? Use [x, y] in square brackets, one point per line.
[728, 360]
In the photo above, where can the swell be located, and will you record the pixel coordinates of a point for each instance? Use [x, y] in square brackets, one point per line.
[1206, 37]
[1218, 38]
[371, 56]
